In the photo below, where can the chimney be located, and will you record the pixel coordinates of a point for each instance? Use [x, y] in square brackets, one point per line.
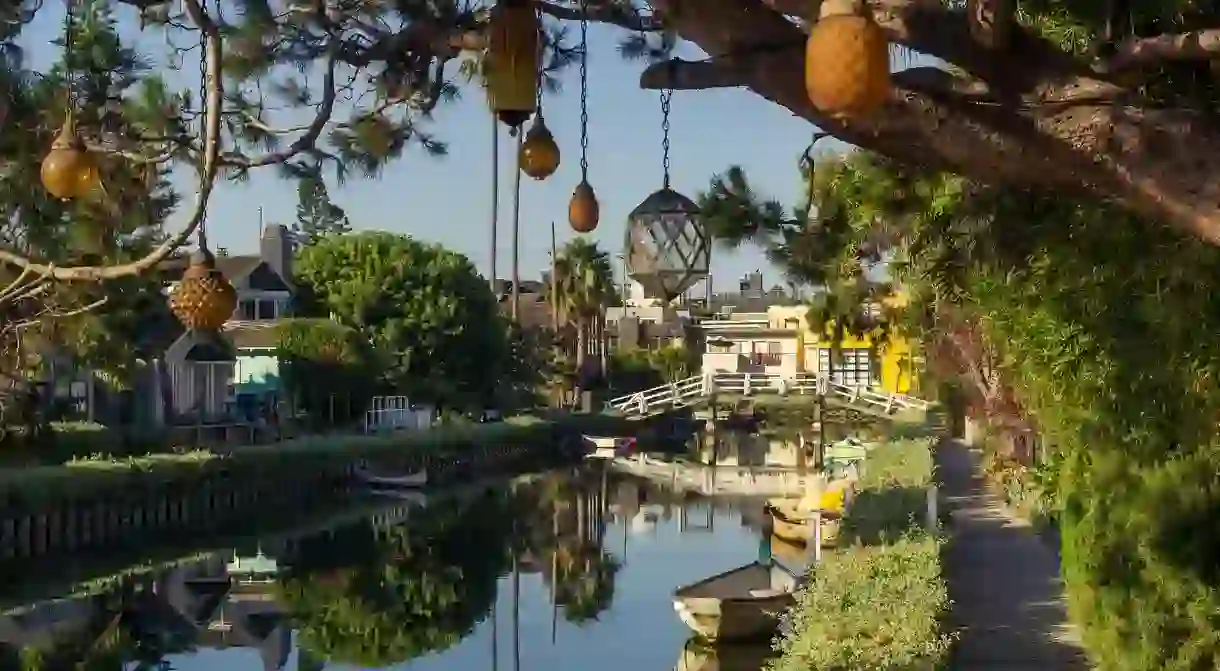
[275, 249]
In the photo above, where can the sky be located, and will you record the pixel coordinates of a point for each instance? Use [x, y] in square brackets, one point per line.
[447, 199]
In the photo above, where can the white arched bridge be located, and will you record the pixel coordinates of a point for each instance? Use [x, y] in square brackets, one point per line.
[699, 389]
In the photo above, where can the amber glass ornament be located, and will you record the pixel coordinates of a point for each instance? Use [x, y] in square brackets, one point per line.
[68, 170]
[847, 61]
[583, 210]
[539, 152]
[511, 67]
[204, 300]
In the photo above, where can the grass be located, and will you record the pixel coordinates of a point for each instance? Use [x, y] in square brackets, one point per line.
[878, 603]
[87, 477]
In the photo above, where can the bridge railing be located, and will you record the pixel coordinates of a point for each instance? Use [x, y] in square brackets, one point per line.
[688, 391]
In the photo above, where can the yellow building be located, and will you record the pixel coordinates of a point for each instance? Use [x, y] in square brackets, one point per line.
[780, 342]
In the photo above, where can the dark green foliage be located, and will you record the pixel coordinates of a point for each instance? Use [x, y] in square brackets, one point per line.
[1102, 321]
[328, 369]
[316, 214]
[424, 308]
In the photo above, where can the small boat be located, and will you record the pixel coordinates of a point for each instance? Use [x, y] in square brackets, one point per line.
[794, 524]
[792, 518]
[743, 604]
[700, 655]
[608, 447]
[411, 496]
[409, 481]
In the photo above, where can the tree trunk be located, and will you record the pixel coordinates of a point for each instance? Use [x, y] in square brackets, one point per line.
[1030, 117]
[582, 346]
[603, 344]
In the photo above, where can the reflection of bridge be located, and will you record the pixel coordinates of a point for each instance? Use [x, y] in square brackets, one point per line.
[700, 389]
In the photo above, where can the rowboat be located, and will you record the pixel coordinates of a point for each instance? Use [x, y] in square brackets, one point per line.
[740, 605]
[608, 447]
[409, 481]
[699, 655]
[792, 518]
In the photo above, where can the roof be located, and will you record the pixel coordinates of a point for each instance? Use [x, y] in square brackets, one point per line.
[233, 267]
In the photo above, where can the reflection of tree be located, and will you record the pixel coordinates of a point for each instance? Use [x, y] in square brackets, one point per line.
[581, 574]
[584, 582]
[404, 591]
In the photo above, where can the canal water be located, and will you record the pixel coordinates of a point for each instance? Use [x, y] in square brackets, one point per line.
[571, 569]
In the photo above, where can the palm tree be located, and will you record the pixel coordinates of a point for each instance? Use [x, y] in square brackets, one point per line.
[585, 287]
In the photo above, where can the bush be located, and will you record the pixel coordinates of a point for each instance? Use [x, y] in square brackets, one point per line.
[328, 369]
[68, 441]
[878, 603]
[869, 607]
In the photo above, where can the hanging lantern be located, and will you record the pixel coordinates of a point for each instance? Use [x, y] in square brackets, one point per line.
[583, 210]
[539, 153]
[511, 68]
[668, 250]
[847, 61]
[204, 300]
[68, 170]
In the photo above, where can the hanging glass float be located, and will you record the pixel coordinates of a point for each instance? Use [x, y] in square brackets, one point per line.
[204, 300]
[539, 152]
[583, 210]
[511, 66]
[847, 61]
[68, 170]
[667, 249]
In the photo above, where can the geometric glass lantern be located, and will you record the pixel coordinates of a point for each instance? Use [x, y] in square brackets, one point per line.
[667, 249]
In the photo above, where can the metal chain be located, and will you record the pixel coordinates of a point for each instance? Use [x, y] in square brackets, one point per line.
[203, 118]
[666, 95]
[69, 59]
[541, 66]
[584, 90]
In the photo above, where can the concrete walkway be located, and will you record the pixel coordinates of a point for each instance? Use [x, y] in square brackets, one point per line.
[1003, 580]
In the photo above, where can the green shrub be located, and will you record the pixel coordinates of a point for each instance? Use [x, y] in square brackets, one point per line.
[870, 607]
[70, 441]
[328, 369]
[878, 602]
[898, 463]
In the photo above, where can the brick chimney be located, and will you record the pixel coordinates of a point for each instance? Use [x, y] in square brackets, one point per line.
[275, 249]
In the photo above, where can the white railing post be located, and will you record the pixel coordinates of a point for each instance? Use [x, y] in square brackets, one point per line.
[933, 519]
[709, 383]
[745, 389]
[816, 540]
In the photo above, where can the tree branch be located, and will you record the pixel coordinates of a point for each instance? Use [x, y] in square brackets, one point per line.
[1145, 51]
[213, 49]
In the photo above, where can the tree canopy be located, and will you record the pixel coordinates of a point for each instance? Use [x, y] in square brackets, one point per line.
[423, 307]
[1081, 321]
[1113, 100]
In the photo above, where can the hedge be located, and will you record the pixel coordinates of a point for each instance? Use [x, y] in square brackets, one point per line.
[80, 479]
[879, 603]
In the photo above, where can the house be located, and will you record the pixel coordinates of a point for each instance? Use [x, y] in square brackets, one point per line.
[211, 376]
[778, 341]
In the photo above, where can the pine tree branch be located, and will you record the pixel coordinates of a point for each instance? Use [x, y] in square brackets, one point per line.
[214, 85]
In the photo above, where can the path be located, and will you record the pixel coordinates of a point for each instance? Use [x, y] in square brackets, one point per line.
[1003, 580]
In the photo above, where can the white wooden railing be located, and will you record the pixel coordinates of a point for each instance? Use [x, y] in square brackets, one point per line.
[697, 389]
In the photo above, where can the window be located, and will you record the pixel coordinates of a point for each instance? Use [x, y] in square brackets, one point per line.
[854, 367]
[248, 310]
[266, 309]
[775, 347]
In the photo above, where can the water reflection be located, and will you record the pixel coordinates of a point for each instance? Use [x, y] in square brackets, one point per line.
[571, 569]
